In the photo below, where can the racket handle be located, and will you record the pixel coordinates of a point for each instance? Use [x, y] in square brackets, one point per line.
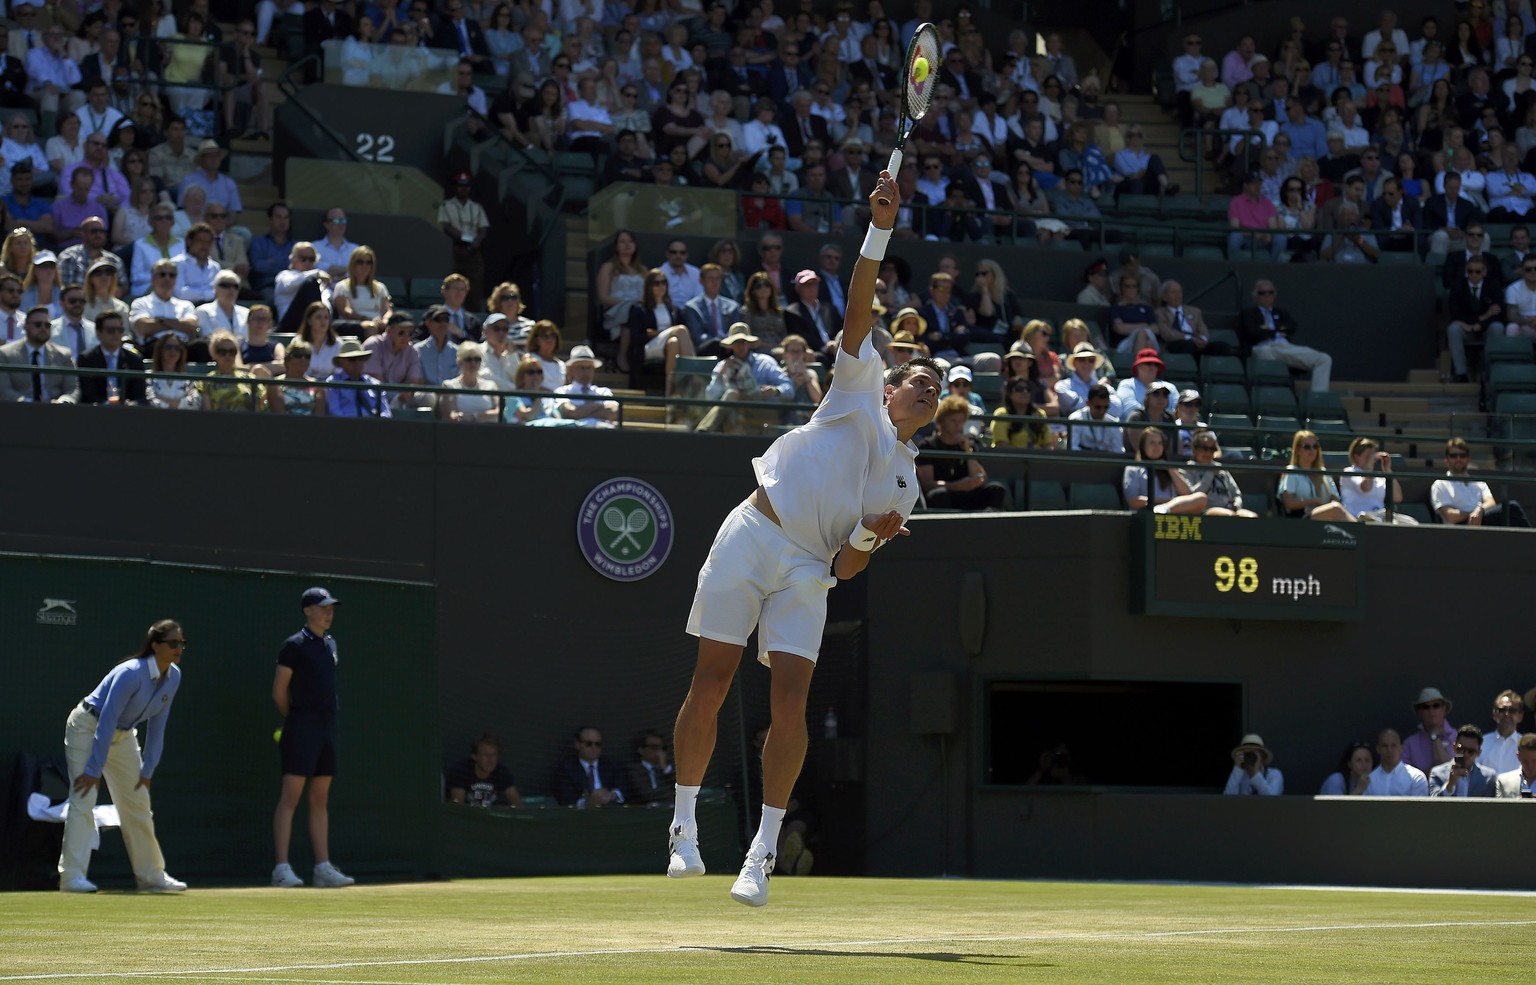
[894, 167]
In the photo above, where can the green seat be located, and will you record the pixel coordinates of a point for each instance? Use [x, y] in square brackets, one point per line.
[1510, 378]
[1205, 251]
[1268, 372]
[569, 162]
[1139, 205]
[1180, 366]
[695, 366]
[1157, 250]
[1324, 404]
[1275, 400]
[1223, 369]
[1276, 432]
[1228, 398]
[975, 348]
[1503, 349]
[1231, 429]
[1419, 511]
[1390, 258]
[989, 387]
[1046, 494]
[1094, 496]
[1516, 403]
[1070, 245]
[1333, 435]
[1227, 335]
[1121, 361]
[1258, 502]
[426, 291]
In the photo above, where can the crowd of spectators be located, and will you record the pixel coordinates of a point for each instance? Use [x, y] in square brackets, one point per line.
[1435, 759]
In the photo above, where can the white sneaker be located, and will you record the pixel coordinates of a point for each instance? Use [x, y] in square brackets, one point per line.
[163, 883]
[751, 887]
[683, 846]
[283, 877]
[327, 876]
[79, 884]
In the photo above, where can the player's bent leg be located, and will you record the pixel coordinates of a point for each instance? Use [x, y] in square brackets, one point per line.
[694, 743]
[783, 756]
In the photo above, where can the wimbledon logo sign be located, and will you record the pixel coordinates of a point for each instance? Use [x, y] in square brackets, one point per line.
[624, 528]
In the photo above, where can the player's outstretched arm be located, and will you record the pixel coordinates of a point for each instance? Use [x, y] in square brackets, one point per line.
[883, 203]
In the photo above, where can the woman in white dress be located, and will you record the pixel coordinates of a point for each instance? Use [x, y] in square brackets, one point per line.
[468, 404]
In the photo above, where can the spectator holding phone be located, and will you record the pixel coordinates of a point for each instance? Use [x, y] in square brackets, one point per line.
[1462, 775]
[1251, 772]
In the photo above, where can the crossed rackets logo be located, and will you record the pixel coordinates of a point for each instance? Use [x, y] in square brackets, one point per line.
[626, 525]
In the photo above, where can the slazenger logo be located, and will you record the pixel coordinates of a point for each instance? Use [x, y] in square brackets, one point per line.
[1336, 535]
[58, 612]
[624, 528]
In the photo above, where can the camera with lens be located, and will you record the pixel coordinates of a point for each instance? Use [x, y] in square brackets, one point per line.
[1250, 758]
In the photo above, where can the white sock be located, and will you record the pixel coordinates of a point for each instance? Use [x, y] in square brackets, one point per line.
[767, 839]
[687, 797]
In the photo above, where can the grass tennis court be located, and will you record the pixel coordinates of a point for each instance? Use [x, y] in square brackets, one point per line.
[647, 929]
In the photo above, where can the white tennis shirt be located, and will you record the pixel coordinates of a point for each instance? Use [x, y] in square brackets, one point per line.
[846, 461]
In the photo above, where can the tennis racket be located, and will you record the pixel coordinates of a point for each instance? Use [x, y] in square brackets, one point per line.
[916, 93]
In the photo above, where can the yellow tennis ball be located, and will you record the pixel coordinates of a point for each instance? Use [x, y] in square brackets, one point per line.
[277, 735]
[919, 69]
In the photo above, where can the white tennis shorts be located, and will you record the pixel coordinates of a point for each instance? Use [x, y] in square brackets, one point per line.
[757, 577]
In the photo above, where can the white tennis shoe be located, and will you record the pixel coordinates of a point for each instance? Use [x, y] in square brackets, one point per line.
[283, 877]
[79, 884]
[751, 887]
[163, 883]
[327, 876]
[683, 846]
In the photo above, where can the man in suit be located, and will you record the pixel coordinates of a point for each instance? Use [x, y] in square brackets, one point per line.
[1463, 775]
[881, 78]
[112, 56]
[1268, 331]
[802, 125]
[458, 32]
[322, 23]
[1519, 248]
[1181, 327]
[1448, 216]
[852, 182]
[111, 353]
[949, 321]
[964, 82]
[1521, 782]
[733, 75]
[72, 329]
[462, 323]
[36, 349]
[1475, 309]
[787, 75]
[809, 317]
[1472, 245]
[650, 779]
[531, 62]
[710, 314]
[581, 781]
[1395, 217]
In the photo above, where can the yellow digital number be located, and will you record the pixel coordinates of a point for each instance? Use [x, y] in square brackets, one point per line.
[1226, 573]
[1247, 575]
[1243, 574]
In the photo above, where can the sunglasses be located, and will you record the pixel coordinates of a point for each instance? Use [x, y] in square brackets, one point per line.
[168, 274]
[471, 359]
[174, 644]
[1457, 454]
[225, 350]
[1309, 447]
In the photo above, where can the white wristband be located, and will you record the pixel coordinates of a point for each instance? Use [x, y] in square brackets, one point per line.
[862, 538]
[874, 243]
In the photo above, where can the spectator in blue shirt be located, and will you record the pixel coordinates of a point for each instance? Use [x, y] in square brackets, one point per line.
[269, 251]
[220, 187]
[100, 744]
[28, 211]
[345, 401]
[1309, 138]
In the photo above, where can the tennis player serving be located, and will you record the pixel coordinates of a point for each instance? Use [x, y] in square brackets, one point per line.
[829, 493]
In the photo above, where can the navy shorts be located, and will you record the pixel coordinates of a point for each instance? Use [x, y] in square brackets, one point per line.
[308, 745]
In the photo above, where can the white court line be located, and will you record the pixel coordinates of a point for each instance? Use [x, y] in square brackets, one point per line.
[747, 948]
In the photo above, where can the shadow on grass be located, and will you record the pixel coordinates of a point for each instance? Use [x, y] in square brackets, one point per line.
[1004, 960]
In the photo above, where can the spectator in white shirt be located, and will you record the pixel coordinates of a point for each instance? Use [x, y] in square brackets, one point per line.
[589, 125]
[1499, 746]
[1520, 301]
[761, 132]
[222, 312]
[20, 144]
[1186, 67]
[98, 115]
[1460, 499]
[1395, 778]
[335, 251]
[682, 276]
[161, 312]
[195, 267]
[1387, 31]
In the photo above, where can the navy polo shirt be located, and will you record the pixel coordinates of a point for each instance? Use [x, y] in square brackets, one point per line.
[313, 662]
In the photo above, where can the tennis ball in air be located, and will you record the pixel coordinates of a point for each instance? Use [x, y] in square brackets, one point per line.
[277, 735]
[919, 69]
